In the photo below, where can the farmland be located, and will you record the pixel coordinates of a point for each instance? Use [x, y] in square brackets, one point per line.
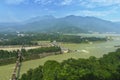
[83, 50]
[11, 48]
[96, 49]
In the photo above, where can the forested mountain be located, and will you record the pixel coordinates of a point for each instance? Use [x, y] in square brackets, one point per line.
[68, 24]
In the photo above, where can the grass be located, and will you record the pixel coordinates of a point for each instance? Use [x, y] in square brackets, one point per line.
[6, 71]
[16, 47]
[95, 35]
[11, 48]
[96, 49]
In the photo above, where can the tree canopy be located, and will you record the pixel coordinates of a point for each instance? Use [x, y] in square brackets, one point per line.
[105, 68]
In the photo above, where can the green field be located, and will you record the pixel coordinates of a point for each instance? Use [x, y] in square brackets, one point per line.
[96, 49]
[95, 35]
[11, 48]
[84, 51]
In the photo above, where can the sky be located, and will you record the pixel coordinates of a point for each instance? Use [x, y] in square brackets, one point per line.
[20, 10]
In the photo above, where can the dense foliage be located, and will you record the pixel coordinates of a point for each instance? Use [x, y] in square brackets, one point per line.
[31, 38]
[105, 68]
[78, 39]
[7, 57]
[17, 40]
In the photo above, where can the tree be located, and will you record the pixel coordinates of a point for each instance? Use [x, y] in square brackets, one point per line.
[37, 73]
[51, 70]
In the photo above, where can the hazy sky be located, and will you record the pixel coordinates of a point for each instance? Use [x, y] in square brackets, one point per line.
[18, 10]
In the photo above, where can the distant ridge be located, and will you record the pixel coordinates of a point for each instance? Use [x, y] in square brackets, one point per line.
[67, 24]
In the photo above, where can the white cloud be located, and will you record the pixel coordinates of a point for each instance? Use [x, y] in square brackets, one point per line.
[106, 2]
[54, 2]
[14, 1]
[43, 2]
[101, 3]
[93, 13]
[86, 5]
[66, 2]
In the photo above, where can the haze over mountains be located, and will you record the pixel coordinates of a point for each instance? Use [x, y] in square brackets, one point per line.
[68, 24]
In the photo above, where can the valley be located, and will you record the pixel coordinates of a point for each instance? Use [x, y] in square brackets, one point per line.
[59, 39]
[78, 50]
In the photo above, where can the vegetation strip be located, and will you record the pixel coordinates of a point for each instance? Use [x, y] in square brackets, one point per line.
[8, 57]
[105, 68]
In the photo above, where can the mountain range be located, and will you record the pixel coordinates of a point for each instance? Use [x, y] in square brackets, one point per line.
[67, 24]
